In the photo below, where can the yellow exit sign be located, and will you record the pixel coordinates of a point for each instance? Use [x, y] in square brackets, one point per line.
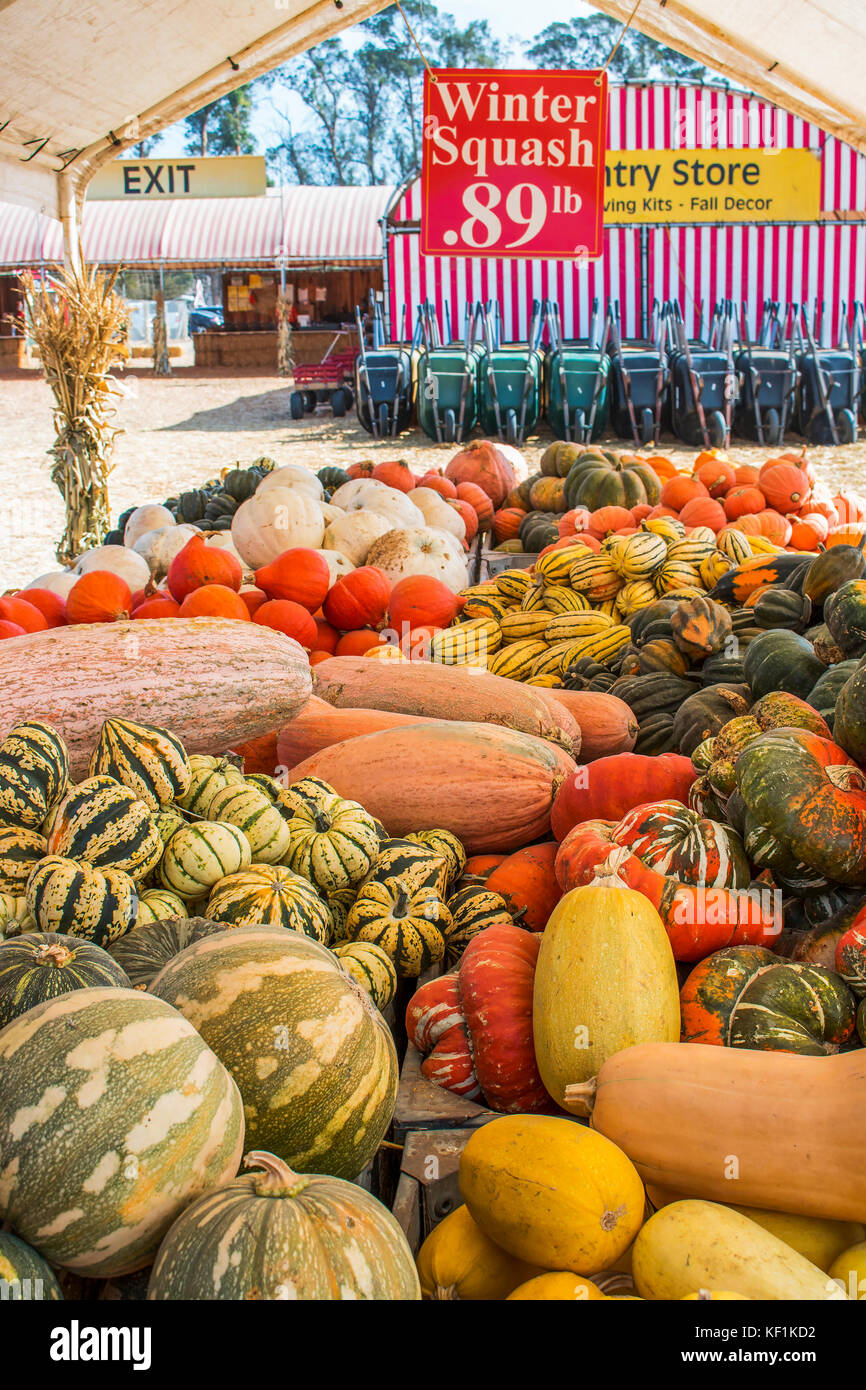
[152, 178]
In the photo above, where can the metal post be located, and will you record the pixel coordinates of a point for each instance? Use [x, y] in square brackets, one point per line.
[386, 287]
[644, 281]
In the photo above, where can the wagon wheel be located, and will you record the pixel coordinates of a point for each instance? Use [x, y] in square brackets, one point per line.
[846, 424]
[384, 419]
[338, 402]
[296, 405]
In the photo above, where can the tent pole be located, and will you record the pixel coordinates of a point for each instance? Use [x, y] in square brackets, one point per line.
[644, 280]
[70, 221]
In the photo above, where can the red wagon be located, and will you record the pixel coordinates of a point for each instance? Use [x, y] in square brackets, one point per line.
[328, 382]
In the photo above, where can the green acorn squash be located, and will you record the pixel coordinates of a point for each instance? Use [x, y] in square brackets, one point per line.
[781, 660]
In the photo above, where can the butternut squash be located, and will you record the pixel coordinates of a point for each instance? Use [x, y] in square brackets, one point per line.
[607, 724]
[492, 787]
[782, 1132]
[547, 1288]
[689, 1246]
[443, 692]
[458, 1261]
[551, 1192]
[212, 681]
[318, 725]
[605, 980]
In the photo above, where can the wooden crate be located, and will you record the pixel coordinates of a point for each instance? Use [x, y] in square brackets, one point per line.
[423, 1106]
[428, 1190]
[488, 563]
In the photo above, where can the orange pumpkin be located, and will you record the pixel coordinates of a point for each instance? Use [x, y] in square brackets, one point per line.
[772, 525]
[291, 618]
[506, 523]
[157, 606]
[784, 485]
[482, 865]
[641, 512]
[214, 601]
[363, 469]
[50, 605]
[299, 575]
[327, 637]
[703, 511]
[198, 564]
[8, 629]
[606, 519]
[395, 473]
[259, 754]
[659, 510]
[16, 609]
[483, 463]
[850, 506]
[716, 474]
[585, 538]
[478, 501]
[469, 516]
[746, 475]
[437, 483]
[98, 597]
[744, 500]
[527, 882]
[850, 533]
[419, 600]
[417, 643]
[253, 598]
[358, 599]
[809, 531]
[356, 642]
[681, 489]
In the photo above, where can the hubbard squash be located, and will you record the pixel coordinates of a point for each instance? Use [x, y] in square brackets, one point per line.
[193, 677]
[458, 1261]
[552, 1192]
[605, 980]
[794, 1125]
[491, 787]
[689, 1246]
[443, 692]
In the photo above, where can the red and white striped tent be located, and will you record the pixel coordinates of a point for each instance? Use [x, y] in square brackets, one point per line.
[796, 263]
[338, 225]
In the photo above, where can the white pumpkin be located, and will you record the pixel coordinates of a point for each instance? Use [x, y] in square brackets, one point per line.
[421, 551]
[388, 501]
[516, 459]
[437, 512]
[117, 559]
[294, 477]
[338, 563]
[346, 493]
[274, 521]
[330, 512]
[150, 517]
[355, 532]
[57, 581]
[160, 547]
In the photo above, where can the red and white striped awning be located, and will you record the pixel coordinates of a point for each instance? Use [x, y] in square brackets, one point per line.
[302, 223]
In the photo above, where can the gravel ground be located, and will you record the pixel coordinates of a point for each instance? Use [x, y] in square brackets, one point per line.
[182, 430]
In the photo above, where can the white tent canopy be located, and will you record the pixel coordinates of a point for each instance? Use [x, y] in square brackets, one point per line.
[808, 56]
[82, 80]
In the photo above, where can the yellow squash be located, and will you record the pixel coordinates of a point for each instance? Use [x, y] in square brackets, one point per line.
[547, 1288]
[458, 1261]
[849, 1269]
[605, 980]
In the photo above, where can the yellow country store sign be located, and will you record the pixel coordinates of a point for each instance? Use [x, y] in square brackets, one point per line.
[677, 186]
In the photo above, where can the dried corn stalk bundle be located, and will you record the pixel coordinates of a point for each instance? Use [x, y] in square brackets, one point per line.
[161, 363]
[285, 361]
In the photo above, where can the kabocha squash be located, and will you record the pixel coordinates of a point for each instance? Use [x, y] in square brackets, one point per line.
[20, 1265]
[603, 480]
[781, 660]
[616, 785]
[371, 968]
[400, 908]
[274, 1234]
[851, 957]
[80, 676]
[491, 787]
[311, 1055]
[832, 568]
[551, 1192]
[270, 895]
[262, 823]
[605, 980]
[680, 1112]
[743, 997]
[672, 839]
[200, 855]
[849, 714]
[143, 951]
[91, 1181]
[73, 898]
[20, 851]
[41, 965]
[693, 1245]
[458, 1261]
[828, 686]
[474, 1027]
[333, 844]
[151, 762]
[106, 825]
[34, 772]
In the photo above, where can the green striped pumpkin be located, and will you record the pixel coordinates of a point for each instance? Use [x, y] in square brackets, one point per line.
[271, 786]
[159, 905]
[445, 843]
[313, 1058]
[472, 909]
[400, 907]
[274, 1235]
[168, 821]
[146, 949]
[34, 771]
[371, 967]
[20, 852]
[265, 826]
[148, 760]
[115, 1115]
[340, 902]
[198, 856]
[333, 844]
[65, 895]
[207, 776]
[416, 865]
[42, 965]
[21, 1266]
[270, 895]
[309, 792]
[107, 825]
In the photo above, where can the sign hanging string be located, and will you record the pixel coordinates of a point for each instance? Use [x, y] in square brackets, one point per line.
[412, 35]
[622, 33]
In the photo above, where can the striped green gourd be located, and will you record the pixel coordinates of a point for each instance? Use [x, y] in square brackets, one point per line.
[208, 775]
[265, 826]
[371, 967]
[446, 844]
[64, 895]
[41, 965]
[159, 905]
[107, 825]
[34, 771]
[332, 844]
[400, 907]
[168, 821]
[148, 760]
[639, 555]
[114, 1116]
[20, 852]
[199, 855]
[25, 1274]
[272, 895]
[276, 1235]
[313, 1058]
[472, 909]
[309, 791]
[146, 949]
[340, 902]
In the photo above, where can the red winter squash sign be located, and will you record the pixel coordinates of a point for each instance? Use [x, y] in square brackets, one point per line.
[513, 163]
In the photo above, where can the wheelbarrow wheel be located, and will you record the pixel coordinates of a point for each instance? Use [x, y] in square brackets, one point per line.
[449, 426]
[338, 402]
[511, 430]
[296, 405]
[772, 426]
[647, 426]
[716, 429]
[846, 424]
[384, 419]
[578, 425]
[309, 398]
